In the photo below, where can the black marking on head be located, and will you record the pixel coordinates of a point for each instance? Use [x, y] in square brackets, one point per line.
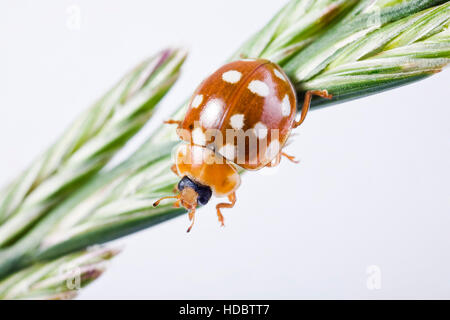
[204, 192]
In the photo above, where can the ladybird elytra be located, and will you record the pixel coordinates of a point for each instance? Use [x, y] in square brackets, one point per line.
[253, 98]
[239, 116]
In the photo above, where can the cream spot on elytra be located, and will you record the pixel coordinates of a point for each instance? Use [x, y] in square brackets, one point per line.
[197, 101]
[279, 74]
[260, 130]
[259, 87]
[212, 113]
[285, 106]
[231, 76]
[237, 121]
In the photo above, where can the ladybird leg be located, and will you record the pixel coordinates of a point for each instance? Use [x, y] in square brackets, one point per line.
[176, 204]
[174, 169]
[170, 121]
[191, 218]
[290, 158]
[278, 160]
[232, 199]
[307, 103]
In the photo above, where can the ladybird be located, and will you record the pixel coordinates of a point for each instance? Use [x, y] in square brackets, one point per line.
[240, 116]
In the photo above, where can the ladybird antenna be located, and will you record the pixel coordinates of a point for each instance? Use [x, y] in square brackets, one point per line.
[156, 203]
[191, 218]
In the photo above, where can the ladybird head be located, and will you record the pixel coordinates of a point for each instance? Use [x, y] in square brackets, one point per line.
[193, 193]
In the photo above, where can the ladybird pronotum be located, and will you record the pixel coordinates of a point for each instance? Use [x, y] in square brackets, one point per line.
[240, 116]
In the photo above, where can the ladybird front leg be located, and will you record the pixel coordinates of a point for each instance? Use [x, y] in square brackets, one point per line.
[232, 199]
[307, 104]
[191, 218]
[171, 121]
[174, 169]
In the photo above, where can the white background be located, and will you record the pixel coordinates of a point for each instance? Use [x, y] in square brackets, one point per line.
[372, 187]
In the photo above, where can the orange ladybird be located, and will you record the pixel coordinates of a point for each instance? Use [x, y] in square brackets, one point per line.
[240, 116]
